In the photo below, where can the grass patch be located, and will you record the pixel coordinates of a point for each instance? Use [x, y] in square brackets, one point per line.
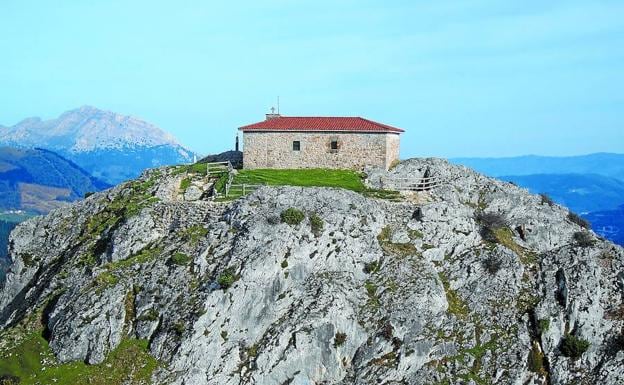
[391, 195]
[129, 363]
[125, 205]
[543, 325]
[401, 249]
[371, 291]
[193, 234]
[346, 179]
[196, 168]
[180, 259]
[319, 177]
[106, 280]
[146, 255]
[184, 184]
[456, 305]
[227, 278]
[504, 236]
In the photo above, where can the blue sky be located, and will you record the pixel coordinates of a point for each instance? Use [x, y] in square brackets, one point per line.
[464, 78]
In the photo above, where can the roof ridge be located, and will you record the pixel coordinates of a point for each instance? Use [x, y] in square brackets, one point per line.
[321, 123]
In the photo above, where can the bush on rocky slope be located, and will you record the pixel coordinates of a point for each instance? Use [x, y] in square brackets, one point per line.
[573, 346]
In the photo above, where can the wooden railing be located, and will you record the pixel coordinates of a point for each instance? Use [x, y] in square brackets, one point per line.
[241, 189]
[218, 168]
[414, 184]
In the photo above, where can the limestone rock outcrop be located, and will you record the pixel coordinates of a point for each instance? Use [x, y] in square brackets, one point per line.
[475, 282]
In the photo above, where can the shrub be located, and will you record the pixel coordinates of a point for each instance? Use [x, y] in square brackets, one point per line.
[180, 259]
[316, 224]
[227, 278]
[583, 239]
[284, 264]
[546, 200]
[339, 339]
[575, 218]
[543, 326]
[492, 264]
[572, 346]
[292, 216]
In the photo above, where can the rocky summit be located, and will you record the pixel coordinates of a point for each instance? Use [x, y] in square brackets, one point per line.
[473, 282]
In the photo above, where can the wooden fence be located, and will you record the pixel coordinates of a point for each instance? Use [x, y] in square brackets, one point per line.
[218, 168]
[414, 184]
[240, 189]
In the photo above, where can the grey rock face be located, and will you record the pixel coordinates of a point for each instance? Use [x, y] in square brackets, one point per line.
[412, 292]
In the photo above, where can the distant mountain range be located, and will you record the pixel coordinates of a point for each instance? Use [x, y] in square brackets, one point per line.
[592, 185]
[609, 223]
[37, 180]
[582, 193]
[605, 164]
[110, 146]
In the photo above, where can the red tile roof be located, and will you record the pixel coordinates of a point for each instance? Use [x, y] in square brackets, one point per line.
[301, 123]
